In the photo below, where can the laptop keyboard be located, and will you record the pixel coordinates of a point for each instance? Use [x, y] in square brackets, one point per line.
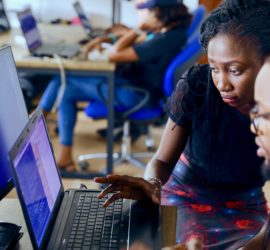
[95, 227]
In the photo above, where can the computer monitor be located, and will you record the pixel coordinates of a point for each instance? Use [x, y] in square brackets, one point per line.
[5, 173]
[13, 115]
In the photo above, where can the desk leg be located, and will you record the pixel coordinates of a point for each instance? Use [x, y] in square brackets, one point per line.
[110, 106]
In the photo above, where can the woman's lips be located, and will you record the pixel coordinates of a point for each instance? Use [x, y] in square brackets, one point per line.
[230, 99]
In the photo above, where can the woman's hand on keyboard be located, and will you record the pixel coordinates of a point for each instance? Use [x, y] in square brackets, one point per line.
[128, 187]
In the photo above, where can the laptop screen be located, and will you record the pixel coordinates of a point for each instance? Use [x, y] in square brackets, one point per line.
[37, 177]
[84, 20]
[29, 29]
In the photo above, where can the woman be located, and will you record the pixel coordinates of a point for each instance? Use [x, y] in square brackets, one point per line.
[148, 62]
[217, 176]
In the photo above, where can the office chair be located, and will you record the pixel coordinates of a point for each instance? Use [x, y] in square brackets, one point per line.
[97, 110]
[198, 16]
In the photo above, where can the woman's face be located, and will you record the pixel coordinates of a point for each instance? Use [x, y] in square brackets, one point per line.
[234, 67]
[262, 98]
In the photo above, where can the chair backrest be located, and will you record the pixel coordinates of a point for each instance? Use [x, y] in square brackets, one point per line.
[198, 16]
[185, 59]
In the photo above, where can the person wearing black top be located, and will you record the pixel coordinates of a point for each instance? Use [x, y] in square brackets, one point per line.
[206, 162]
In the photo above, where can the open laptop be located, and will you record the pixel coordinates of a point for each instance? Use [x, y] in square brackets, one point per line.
[89, 30]
[73, 219]
[34, 41]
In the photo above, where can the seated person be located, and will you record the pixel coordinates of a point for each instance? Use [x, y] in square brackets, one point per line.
[148, 62]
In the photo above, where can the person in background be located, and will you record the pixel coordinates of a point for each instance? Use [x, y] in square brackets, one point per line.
[148, 60]
[206, 163]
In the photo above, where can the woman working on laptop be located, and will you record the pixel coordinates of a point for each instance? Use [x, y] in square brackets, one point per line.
[216, 183]
[149, 61]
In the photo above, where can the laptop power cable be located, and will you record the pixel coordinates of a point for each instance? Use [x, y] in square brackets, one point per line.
[63, 82]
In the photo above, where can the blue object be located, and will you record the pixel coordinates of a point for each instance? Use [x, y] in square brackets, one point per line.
[198, 17]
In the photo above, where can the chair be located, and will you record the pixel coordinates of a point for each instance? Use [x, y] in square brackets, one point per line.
[198, 16]
[97, 110]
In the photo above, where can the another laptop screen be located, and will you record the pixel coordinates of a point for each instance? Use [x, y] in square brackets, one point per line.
[37, 178]
[84, 20]
[29, 29]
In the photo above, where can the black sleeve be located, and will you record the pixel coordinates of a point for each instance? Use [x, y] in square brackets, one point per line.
[188, 98]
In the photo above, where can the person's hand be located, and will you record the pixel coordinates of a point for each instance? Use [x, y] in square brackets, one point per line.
[118, 30]
[129, 187]
[176, 247]
[193, 244]
[93, 44]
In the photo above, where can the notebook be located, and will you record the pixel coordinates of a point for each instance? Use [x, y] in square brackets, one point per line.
[72, 219]
[89, 30]
[34, 41]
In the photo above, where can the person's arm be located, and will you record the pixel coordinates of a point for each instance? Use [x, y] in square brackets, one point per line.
[122, 50]
[96, 43]
[172, 144]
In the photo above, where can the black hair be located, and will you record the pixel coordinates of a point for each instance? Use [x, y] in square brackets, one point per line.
[176, 15]
[246, 20]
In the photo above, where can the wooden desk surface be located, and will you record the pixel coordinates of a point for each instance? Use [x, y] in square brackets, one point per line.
[10, 211]
[54, 34]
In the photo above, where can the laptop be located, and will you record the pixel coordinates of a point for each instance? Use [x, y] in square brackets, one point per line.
[72, 219]
[89, 30]
[34, 41]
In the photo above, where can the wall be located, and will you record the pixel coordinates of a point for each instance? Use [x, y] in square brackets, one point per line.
[98, 10]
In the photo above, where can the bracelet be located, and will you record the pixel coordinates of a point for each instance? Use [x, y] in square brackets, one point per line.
[155, 180]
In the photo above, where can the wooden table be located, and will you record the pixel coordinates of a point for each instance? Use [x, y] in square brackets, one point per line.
[76, 66]
[10, 211]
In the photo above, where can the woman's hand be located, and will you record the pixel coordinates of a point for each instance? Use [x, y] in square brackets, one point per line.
[94, 44]
[176, 247]
[130, 188]
[192, 244]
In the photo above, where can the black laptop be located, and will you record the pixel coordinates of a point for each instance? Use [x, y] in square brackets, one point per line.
[73, 219]
[34, 41]
[89, 30]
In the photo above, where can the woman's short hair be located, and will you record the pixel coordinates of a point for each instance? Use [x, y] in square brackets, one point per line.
[247, 20]
[174, 14]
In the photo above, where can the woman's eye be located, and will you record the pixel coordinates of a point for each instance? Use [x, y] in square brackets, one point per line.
[213, 69]
[235, 71]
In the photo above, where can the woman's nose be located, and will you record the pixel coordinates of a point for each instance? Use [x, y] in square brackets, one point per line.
[224, 84]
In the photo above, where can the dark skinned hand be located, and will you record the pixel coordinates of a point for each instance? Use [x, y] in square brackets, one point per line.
[128, 187]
